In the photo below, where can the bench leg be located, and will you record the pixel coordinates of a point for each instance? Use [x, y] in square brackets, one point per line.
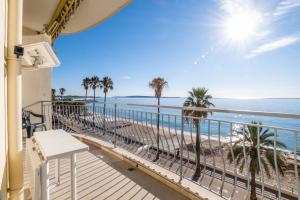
[73, 178]
[57, 171]
[45, 181]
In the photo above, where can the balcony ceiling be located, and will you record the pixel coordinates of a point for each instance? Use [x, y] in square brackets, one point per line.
[38, 14]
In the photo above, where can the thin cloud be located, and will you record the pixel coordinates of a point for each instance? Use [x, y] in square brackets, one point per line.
[286, 6]
[229, 6]
[126, 77]
[271, 46]
[196, 62]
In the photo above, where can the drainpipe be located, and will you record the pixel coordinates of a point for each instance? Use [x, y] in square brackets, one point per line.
[14, 101]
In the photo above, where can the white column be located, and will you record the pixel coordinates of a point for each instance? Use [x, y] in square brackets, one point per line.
[14, 100]
[73, 177]
[45, 181]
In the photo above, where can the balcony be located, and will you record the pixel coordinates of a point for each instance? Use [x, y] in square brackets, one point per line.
[165, 145]
[101, 176]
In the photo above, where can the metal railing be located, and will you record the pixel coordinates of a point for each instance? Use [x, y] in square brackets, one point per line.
[220, 153]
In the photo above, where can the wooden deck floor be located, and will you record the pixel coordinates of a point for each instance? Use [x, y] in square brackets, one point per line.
[100, 176]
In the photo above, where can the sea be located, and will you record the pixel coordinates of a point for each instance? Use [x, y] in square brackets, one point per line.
[278, 105]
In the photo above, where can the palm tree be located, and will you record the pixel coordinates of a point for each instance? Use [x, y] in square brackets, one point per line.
[200, 98]
[158, 84]
[106, 84]
[86, 84]
[53, 94]
[94, 84]
[266, 153]
[62, 91]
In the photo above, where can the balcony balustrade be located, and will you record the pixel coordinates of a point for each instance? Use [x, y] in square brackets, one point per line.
[222, 157]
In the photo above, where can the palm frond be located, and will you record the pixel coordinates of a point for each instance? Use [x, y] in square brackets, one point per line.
[237, 152]
[86, 82]
[94, 82]
[266, 134]
[198, 97]
[265, 151]
[281, 162]
[62, 91]
[241, 168]
[106, 84]
[158, 84]
[266, 168]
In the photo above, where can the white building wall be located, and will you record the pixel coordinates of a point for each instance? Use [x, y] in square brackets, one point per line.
[3, 130]
[36, 84]
[36, 87]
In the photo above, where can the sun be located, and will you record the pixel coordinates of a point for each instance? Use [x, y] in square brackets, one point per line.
[240, 26]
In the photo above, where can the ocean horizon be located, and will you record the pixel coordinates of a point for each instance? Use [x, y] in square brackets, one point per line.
[175, 97]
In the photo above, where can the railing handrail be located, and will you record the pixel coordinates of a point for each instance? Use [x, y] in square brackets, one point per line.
[216, 110]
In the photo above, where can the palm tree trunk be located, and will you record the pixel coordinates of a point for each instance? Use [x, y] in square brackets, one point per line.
[85, 105]
[104, 112]
[253, 186]
[253, 158]
[198, 166]
[94, 106]
[157, 130]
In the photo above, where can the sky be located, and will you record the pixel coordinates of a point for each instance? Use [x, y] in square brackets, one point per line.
[235, 48]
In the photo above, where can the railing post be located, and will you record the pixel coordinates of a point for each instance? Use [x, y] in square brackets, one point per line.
[115, 125]
[181, 146]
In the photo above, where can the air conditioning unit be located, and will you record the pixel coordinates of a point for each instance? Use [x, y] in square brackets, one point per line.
[39, 55]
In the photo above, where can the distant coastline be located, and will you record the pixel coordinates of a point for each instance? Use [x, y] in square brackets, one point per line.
[133, 96]
[141, 96]
[176, 97]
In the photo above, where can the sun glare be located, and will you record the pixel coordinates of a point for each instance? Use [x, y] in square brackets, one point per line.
[241, 25]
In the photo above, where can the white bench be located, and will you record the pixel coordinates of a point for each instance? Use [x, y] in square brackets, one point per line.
[56, 144]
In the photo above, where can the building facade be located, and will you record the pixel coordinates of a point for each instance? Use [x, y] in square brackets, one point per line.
[33, 24]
